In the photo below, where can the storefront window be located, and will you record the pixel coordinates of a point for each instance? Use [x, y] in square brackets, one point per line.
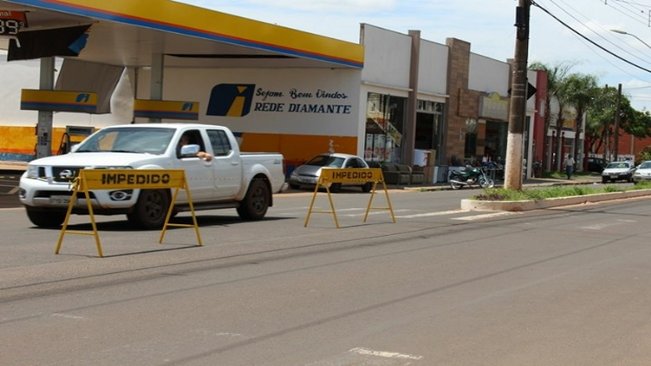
[496, 135]
[470, 149]
[385, 116]
[428, 123]
[429, 117]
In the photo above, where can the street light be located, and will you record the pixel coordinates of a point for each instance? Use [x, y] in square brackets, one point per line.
[630, 34]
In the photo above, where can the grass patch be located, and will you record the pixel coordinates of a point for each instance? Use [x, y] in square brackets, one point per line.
[537, 194]
[561, 175]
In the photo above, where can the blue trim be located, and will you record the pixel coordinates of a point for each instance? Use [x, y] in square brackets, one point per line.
[16, 157]
[57, 107]
[171, 115]
[182, 31]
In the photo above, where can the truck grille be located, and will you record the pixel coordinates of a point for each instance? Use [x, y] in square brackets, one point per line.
[65, 174]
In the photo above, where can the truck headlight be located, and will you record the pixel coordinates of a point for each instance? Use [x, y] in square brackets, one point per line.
[32, 172]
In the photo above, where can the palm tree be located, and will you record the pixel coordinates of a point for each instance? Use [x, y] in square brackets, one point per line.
[556, 75]
[580, 91]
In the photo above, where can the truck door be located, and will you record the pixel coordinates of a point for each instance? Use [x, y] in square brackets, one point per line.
[198, 174]
[227, 165]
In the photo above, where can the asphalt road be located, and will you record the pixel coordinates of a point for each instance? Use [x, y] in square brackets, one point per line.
[9, 188]
[565, 286]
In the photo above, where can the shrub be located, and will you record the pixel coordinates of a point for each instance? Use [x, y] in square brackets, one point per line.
[536, 194]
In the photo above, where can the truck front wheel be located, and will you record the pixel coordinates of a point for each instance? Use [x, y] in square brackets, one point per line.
[151, 209]
[256, 202]
[48, 219]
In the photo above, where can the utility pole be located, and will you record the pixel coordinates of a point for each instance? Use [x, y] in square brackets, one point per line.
[618, 111]
[517, 107]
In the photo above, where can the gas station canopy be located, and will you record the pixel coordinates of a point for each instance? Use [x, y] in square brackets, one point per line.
[129, 33]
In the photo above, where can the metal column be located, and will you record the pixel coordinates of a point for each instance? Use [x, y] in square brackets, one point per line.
[44, 125]
[156, 86]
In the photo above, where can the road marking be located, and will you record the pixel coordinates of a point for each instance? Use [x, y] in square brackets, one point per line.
[370, 352]
[607, 224]
[428, 214]
[14, 190]
[68, 316]
[486, 216]
[227, 334]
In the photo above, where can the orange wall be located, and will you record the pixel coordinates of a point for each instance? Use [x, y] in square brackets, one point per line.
[20, 142]
[297, 148]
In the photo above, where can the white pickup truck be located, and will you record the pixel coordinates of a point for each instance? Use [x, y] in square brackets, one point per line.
[245, 181]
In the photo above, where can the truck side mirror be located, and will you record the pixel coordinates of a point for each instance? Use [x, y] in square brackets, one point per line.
[190, 150]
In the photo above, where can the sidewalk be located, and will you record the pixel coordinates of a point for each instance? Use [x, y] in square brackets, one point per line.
[528, 183]
[17, 166]
[20, 166]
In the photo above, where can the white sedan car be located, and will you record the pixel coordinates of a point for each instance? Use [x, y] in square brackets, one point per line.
[308, 173]
[642, 172]
[618, 170]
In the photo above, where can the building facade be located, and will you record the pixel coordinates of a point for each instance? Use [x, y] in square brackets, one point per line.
[416, 102]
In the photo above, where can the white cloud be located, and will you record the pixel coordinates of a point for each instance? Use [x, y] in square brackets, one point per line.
[487, 25]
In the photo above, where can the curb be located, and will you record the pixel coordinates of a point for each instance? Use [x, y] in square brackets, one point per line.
[528, 205]
[539, 183]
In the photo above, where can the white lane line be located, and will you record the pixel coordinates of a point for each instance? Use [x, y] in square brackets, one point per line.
[227, 334]
[68, 316]
[14, 190]
[486, 216]
[370, 352]
[604, 225]
[428, 214]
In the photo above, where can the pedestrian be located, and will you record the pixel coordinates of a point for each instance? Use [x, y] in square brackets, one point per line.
[569, 166]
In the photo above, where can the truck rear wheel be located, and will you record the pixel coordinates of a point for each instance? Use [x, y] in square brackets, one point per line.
[48, 219]
[151, 209]
[256, 202]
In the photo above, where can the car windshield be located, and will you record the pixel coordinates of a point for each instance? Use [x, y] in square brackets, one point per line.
[326, 160]
[645, 165]
[128, 139]
[617, 165]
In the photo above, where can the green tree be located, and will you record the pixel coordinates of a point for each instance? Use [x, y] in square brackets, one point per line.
[580, 91]
[600, 126]
[556, 75]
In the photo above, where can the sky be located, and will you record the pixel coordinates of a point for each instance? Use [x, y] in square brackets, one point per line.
[563, 32]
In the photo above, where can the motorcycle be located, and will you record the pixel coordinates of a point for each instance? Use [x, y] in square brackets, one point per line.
[469, 176]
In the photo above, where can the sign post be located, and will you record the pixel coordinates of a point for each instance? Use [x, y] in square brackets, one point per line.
[349, 176]
[89, 179]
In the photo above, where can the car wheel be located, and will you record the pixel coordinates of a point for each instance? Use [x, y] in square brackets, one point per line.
[335, 187]
[151, 209]
[256, 202]
[367, 187]
[604, 180]
[294, 186]
[46, 219]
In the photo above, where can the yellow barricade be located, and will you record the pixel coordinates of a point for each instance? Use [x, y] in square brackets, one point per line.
[89, 179]
[359, 176]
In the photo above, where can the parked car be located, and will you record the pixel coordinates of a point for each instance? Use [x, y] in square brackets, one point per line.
[642, 172]
[308, 173]
[596, 165]
[618, 170]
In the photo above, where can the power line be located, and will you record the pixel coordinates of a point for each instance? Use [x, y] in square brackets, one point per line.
[634, 14]
[641, 58]
[588, 39]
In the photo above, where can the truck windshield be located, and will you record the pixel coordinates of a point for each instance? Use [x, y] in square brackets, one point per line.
[145, 140]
